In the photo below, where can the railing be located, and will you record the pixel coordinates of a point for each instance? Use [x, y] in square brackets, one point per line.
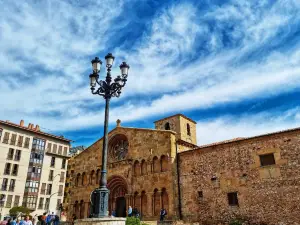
[40, 206]
[10, 156]
[8, 204]
[50, 178]
[15, 173]
[17, 157]
[7, 172]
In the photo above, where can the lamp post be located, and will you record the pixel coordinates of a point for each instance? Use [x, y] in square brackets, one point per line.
[107, 89]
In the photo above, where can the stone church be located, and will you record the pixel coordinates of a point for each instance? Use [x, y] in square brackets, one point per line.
[257, 178]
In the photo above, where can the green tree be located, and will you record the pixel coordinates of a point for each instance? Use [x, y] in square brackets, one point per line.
[19, 209]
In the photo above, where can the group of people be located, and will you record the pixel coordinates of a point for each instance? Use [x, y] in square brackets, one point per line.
[50, 219]
[135, 213]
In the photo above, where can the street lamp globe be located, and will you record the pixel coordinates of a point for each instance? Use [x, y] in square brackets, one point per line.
[96, 63]
[93, 79]
[124, 67]
[109, 58]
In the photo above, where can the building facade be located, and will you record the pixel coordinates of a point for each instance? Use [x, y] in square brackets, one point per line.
[141, 169]
[33, 166]
[251, 178]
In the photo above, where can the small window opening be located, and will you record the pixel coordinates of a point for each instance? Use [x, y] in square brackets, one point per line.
[167, 126]
[188, 129]
[267, 160]
[200, 194]
[233, 199]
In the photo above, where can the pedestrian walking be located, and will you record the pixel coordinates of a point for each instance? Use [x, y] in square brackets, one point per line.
[27, 221]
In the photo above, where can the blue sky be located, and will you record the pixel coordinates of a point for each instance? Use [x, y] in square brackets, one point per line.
[233, 66]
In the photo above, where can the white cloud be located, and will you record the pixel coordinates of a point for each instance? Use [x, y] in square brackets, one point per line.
[168, 71]
[229, 127]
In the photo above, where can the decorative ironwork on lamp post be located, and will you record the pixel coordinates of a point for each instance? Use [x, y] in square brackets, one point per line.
[108, 89]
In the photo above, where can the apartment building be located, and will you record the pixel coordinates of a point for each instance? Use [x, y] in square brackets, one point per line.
[33, 166]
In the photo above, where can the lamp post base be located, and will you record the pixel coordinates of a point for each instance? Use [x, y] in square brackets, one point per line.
[99, 200]
[102, 221]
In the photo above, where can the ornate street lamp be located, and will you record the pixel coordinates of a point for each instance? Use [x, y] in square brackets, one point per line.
[107, 89]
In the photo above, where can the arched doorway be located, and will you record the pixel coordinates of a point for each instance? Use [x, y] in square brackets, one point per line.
[118, 188]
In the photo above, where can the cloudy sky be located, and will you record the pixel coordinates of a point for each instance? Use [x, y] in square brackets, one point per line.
[233, 66]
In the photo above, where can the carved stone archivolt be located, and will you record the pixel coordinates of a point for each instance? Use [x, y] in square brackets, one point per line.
[117, 148]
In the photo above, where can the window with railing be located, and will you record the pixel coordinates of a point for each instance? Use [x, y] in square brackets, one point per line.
[65, 151]
[16, 201]
[50, 175]
[34, 172]
[12, 185]
[32, 186]
[43, 188]
[6, 138]
[58, 204]
[2, 200]
[26, 144]
[49, 189]
[52, 164]
[15, 170]
[10, 154]
[1, 134]
[9, 201]
[37, 157]
[20, 141]
[62, 177]
[49, 147]
[4, 184]
[29, 202]
[18, 155]
[7, 169]
[63, 164]
[60, 150]
[13, 139]
[47, 203]
[41, 203]
[60, 190]
[54, 148]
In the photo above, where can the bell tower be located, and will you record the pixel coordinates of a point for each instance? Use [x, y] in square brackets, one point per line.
[184, 127]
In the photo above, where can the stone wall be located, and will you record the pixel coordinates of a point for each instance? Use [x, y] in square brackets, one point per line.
[148, 189]
[269, 194]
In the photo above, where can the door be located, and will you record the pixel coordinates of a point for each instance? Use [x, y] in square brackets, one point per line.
[121, 207]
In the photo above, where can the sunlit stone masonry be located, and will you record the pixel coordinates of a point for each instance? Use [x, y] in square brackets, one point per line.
[255, 178]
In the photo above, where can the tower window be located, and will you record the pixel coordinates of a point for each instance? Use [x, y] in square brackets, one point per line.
[233, 199]
[267, 160]
[167, 126]
[188, 129]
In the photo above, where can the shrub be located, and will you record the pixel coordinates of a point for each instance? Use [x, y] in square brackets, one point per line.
[236, 222]
[19, 209]
[132, 221]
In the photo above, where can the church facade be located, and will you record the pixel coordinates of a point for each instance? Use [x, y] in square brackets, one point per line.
[255, 178]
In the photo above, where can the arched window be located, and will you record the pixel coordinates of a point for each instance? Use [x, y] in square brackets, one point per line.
[156, 165]
[92, 177]
[164, 199]
[144, 203]
[81, 209]
[76, 209]
[137, 168]
[167, 126]
[144, 167]
[164, 163]
[188, 129]
[98, 175]
[84, 179]
[156, 202]
[78, 180]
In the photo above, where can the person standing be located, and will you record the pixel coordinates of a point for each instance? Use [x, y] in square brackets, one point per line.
[129, 211]
[27, 221]
[163, 213]
[13, 221]
[48, 219]
[56, 220]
